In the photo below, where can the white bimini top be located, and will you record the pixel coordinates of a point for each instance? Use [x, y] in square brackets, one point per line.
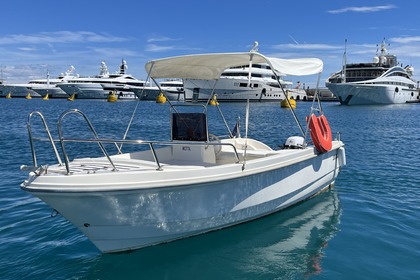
[211, 66]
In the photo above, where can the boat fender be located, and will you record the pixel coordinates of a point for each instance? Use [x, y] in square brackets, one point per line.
[342, 156]
[320, 133]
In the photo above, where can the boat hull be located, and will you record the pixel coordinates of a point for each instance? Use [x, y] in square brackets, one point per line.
[152, 211]
[96, 91]
[53, 92]
[85, 91]
[18, 91]
[148, 93]
[362, 94]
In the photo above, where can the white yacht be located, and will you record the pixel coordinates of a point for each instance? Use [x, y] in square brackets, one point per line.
[174, 89]
[239, 84]
[382, 81]
[100, 86]
[49, 86]
[19, 90]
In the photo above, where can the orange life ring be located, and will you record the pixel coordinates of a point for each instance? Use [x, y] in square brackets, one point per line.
[320, 133]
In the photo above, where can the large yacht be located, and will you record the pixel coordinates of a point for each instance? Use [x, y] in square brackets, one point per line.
[235, 84]
[39, 87]
[382, 81]
[19, 90]
[100, 86]
[174, 89]
[49, 86]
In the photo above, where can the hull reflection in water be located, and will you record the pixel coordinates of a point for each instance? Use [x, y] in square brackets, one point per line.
[268, 248]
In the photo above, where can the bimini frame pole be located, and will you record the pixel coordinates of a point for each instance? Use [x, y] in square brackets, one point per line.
[254, 49]
[290, 106]
[135, 110]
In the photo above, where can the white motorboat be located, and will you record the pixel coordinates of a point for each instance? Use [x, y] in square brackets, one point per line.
[382, 81]
[193, 183]
[49, 86]
[100, 86]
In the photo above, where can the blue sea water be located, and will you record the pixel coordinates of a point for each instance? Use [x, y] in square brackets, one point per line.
[366, 227]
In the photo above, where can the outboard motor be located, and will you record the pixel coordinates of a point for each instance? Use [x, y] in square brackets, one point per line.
[294, 142]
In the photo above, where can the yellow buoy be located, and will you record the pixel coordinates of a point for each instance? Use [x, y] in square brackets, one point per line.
[9, 95]
[112, 97]
[46, 97]
[290, 104]
[29, 96]
[161, 98]
[213, 101]
[71, 98]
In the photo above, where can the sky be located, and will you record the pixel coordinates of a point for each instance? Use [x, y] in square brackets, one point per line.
[43, 36]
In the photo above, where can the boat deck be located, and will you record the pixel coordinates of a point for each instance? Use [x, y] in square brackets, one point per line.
[101, 165]
[131, 162]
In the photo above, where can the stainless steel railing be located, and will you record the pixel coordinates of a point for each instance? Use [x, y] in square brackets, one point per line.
[62, 140]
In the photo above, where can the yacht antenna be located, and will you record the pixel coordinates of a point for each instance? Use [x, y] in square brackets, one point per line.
[254, 47]
[123, 66]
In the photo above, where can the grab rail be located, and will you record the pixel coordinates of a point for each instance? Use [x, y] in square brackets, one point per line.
[150, 143]
[31, 138]
[60, 134]
[100, 142]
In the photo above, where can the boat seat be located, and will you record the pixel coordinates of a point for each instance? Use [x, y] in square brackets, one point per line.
[251, 144]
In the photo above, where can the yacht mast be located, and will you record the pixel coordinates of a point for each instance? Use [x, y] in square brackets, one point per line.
[344, 61]
[48, 79]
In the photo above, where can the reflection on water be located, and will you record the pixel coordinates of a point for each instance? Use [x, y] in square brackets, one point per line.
[288, 244]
